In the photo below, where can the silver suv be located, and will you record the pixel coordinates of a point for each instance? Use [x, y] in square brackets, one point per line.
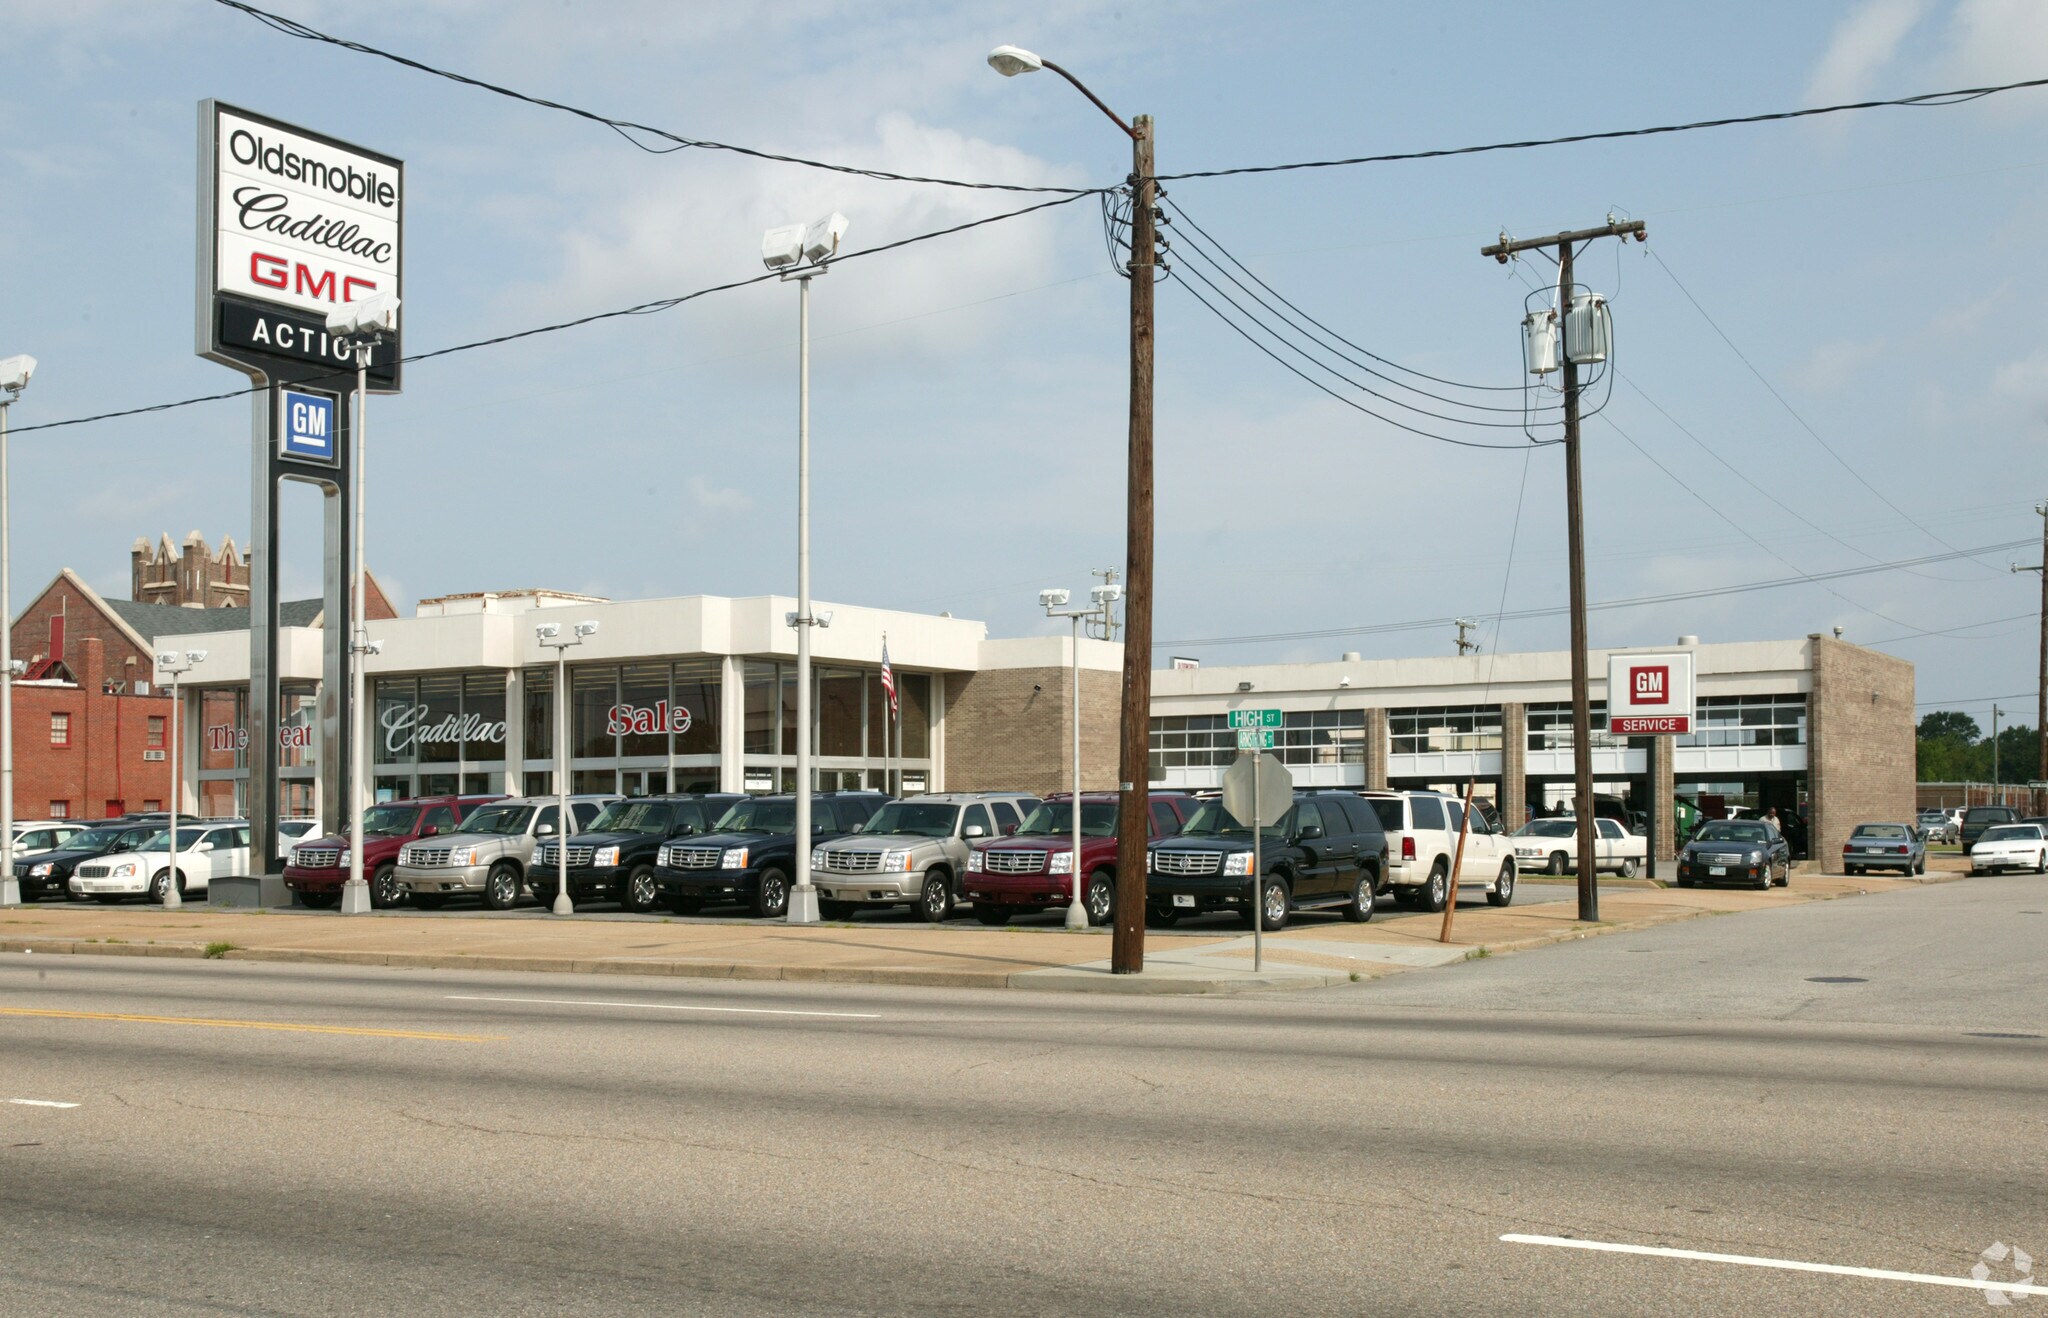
[488, 858]
[913, 853]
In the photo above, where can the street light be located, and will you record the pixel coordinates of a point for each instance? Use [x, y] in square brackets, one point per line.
[362, 326]
[1127, 949]
[550, 635]
[14, 375]
[1052, 601]
[169, 661]
[801, 252]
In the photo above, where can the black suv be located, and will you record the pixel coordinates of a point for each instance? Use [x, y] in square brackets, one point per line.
[1980, 817]
[751, 857]
[1328, 851]
[613, 858]
[49, 874]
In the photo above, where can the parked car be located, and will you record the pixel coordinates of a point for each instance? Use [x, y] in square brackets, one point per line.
[291, 832]
[32, 837]
[1033, 870]
[318, 868]
[49, 873]
[614, 860]
[913, 853]
[1885, 846]
[1422, 831]
[750, 855]
[1936, 826]
[2010, 847]
[216, 849]
[492, 846]
[1980, 817]
[1327, 851]
[1735, 851]
[1552, 846]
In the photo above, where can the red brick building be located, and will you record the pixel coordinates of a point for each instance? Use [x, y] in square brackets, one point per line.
[83, 749]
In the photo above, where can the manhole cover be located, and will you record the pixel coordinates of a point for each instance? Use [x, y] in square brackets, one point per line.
[1836, 979]
[1998, 1034]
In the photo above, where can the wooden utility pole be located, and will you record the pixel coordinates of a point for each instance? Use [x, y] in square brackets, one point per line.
[2041, 709]
[1582, 708]
[1134, 807]
[1457, 864]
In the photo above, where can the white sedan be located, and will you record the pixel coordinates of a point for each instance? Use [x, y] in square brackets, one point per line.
[2010, 847]
[206, 851]
[1551, 845]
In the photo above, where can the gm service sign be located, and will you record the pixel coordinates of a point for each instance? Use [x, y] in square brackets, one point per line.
[305, 431]
[292, 224]
[1650, 695]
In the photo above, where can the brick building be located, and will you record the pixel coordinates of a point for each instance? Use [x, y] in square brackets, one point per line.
[193, 575]
[83, 749]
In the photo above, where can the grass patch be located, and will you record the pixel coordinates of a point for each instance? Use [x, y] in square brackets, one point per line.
[1478, 954]
[1355, 977]
[108, 940]
[218, 949]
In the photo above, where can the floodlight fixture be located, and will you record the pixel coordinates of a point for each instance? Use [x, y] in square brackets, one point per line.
[584, 629]
[195, 656]
[167, 659]
[782, 246]
[822, 237]
[15, 372]
[1053, 599]
[547, 631]
[372, 317]
[1013, 60]
[1106, 595]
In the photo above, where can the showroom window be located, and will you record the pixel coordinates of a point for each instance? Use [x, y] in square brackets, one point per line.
[1772, 720]
[1435, 731]
[1550, 727]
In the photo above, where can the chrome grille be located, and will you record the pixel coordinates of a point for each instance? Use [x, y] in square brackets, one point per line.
[1719, 859]
[1013, 862]
[690, 858]
[849, 862]
[1187, 862]
[550, 855]
[92, 871]
[317, 858]
[425, 857]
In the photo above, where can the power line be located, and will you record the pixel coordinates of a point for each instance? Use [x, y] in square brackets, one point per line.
[1932, 99]
[625, 128]
[1973, 700]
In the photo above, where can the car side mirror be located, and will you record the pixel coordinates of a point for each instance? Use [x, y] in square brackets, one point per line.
[1310, 834]
[973, 831]
[431, 830]
[545, 830]
[857, 828]
[1009, 830]
[204, 846]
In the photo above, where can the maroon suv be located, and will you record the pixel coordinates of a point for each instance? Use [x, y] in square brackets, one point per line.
[318, 868]
[1030, 871]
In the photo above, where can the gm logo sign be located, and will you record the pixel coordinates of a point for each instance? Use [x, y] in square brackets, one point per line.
[1650, 685]
[306, 430]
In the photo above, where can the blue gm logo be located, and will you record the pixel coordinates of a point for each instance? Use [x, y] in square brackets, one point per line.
[308, 430]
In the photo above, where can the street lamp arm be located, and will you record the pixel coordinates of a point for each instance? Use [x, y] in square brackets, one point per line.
[1082, 87]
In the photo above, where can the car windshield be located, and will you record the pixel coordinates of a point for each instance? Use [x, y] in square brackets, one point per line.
[760, 817]
[1212, 820]
[1729, 830]
[503, 820]
[1549, 828]
[1896, 832]
[2012, 833]
[917, 818]
[1978, 814]
[1056, 819]
[95, 839]
[295, 828]
[187, 837]
[389, 820]
[650, 817]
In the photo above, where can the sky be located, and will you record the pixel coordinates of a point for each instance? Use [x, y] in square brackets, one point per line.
[1828, 356]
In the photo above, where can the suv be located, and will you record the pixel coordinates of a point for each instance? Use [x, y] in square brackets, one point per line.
[1980, 817]
[495, 843]
[318, 868]
[753, 853]
[1033, 871]
[207, 849]
[613, 861]
[913, 853]
[1422, 844]
[49, 874]
[1329, 850]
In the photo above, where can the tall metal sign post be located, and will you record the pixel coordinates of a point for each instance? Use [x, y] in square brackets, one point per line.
[1259, 788]
[291, 225]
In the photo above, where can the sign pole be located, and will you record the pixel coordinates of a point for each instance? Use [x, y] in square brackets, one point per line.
[1457, 864]
[1258, 884]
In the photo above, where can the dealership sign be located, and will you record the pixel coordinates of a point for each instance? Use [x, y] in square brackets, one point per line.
[405, 726]
[293, 224]
[1650, 695]
[639, 721]
[228, 737]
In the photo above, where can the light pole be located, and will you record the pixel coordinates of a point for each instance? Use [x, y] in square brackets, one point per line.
[1053, 602]
[169, 661]
[1127, 948]
[364, 325]
[801, 252]
[14, 376]
[550, 635]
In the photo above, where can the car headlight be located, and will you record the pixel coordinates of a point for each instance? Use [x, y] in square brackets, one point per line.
[40, 871]
[735, 858]
[1061, 862]
[1151, 860]
[341, 861]
[1238, 862]
[462, 856]
[974, 862]
[1756, 857]
[606, 856]
[896, 861]
[126, 871]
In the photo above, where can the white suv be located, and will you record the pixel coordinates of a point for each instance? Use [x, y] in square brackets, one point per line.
[208, 849]
[1422, 839]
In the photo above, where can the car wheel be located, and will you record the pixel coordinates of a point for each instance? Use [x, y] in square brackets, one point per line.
[993, 916]
[1277, 905]
[320, 901]
[1503, 886]
[501, 888]
[935, 899]
[2041, 861]
[1628, 867]
[160, 886]
[837, 910]
[429, 901]
[1764, 883]
[1558, 863]
[384, 890]
[1359, 909]
[1100, 898]
[639, 894]
[1438, 890]
[771, 895]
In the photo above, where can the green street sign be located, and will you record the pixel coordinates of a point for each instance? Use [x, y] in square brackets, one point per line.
[1255, 718]
[1255, 739]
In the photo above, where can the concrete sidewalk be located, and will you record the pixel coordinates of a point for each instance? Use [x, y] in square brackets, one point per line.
[1314, 951]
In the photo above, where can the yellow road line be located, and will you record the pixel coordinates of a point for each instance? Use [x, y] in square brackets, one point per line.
[250, 1025]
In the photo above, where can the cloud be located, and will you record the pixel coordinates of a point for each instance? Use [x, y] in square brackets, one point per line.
[1995, 41]
[1862, 46]
[2026, 379]
[713, 499]
[1830, 366]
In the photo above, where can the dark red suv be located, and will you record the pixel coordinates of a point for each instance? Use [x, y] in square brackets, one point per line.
[318, 868]
[1032, 870]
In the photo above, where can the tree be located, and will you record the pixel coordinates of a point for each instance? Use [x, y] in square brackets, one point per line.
[1950, 725]
[1949, 750]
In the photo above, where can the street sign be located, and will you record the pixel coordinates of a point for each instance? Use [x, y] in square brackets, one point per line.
[1255, 739]
[1254, 718]
[1265, 776]
[1650, 695]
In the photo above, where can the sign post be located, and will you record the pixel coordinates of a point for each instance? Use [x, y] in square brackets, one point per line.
[1257, 787]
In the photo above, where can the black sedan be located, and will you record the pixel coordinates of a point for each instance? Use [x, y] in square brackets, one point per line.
[1735, 851]
[48, 873]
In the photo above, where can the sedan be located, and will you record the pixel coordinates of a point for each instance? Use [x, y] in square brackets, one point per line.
[1885, 846]
[1936, 826]
[1735, 851]
[2010, 847]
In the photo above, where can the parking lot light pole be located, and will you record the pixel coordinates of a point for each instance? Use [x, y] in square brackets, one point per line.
[169, 661]
[550, 635]
[14, 376]
[1134, 749]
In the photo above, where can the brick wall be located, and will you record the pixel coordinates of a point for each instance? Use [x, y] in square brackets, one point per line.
[1003, 735]
[1377, 747]
[1514, 761]
[83, 620]
[103, 763]
[1862, 744]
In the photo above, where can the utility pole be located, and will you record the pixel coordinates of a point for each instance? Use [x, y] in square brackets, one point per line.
[1465, 626]
[1582, 708]
[1995, 712]
[2041, 708]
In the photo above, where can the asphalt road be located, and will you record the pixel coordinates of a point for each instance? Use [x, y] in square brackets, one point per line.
[555, 1144]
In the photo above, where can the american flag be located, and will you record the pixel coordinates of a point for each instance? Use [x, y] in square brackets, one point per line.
[889, 679]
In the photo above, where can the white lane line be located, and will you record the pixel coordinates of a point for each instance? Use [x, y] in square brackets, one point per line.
[40, 1102]
[1788, 1265]
[671, 1006]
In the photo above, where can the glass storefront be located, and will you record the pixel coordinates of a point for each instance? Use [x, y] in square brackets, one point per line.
[856, 740]
[438, 734]
[221, 738]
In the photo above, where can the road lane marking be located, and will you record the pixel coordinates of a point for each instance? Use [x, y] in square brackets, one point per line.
[1787, 1265]
[672, 1006]
[40, 1102]
[249, 1025]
